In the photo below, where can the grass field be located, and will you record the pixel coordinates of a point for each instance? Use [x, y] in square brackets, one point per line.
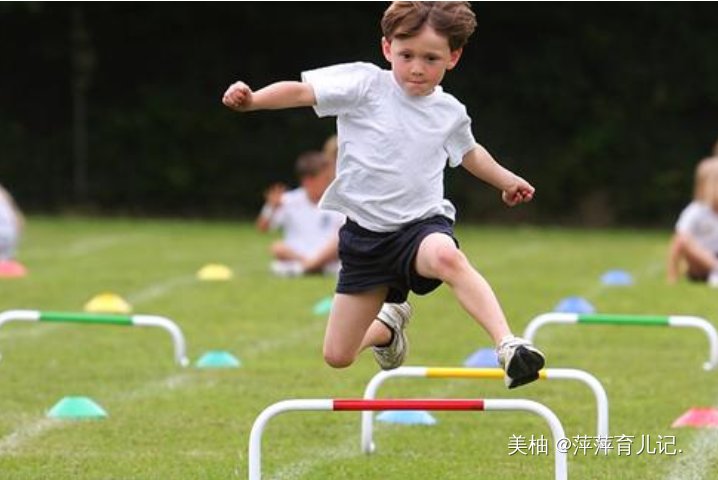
[166, 422]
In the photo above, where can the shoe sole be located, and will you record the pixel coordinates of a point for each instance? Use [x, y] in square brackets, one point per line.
[524, 367]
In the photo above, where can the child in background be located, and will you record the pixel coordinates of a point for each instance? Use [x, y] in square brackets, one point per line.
[330, 149]
[11, 224]
[396, 130]
[310, 241]
[695, 241]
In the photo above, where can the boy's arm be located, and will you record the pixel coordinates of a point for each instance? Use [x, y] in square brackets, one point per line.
[272, 201]
[674, 259]
[328, 253]
[276, 96]
[481, 164]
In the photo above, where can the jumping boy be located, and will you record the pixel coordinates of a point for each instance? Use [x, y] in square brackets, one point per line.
[396, 130]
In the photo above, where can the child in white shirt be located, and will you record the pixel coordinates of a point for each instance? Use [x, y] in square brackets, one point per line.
[309, 243]
[695, 241]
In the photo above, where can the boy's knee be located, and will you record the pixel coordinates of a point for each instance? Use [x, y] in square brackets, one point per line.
[337, 359]
[276, 248]
[685, 243]
[449, 260]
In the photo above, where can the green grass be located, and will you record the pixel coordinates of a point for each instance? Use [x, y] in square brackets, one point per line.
[171, 423]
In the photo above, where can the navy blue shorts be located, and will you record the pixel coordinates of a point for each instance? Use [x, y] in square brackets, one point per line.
[375, 259]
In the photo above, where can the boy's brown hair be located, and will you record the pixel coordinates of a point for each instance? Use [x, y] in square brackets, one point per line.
[310, 164]
[453, 20]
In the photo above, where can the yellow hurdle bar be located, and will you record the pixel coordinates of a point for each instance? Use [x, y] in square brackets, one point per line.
[458, 372]
[371, 390]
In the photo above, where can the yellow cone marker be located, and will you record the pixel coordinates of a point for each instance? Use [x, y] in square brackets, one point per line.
[108, 303]
[215, 272]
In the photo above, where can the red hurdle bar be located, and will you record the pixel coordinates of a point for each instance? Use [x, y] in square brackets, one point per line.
[354, 405]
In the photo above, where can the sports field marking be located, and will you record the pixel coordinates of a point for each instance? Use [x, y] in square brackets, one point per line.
[160, 289]
[313, 458]
[27, 431]
[27, 332]
[313, 329]
[90, 245]
[649, 270]
[695, 460]
[150, 292]
[83, 246]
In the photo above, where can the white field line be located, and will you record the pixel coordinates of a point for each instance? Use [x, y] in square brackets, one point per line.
[694, 461]
[345, 449]
[84, 246]
[150, 292]
[649, 270]
[96, 244]
[27, 332]
[28, 431]
[159, 289]
[298, 335]
[25, 433]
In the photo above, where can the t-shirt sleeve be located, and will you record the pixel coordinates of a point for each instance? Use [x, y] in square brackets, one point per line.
[688, 217]
[461, 141]
[340, 88]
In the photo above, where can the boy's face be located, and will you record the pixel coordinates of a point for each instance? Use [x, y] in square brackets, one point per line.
[420, 62]
[316, 183]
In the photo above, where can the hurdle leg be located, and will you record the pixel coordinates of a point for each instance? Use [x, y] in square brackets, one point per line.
[255, 437]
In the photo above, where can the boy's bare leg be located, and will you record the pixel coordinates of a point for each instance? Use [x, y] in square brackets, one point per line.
[281, 251]
[700, 260]
[352, 326]
[438, 257]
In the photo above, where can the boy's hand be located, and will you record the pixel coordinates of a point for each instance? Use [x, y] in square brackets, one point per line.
[238, 97]
[273, 195]
[520, 191]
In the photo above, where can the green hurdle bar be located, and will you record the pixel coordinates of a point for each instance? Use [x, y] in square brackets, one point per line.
[642, 320]
[171, 327]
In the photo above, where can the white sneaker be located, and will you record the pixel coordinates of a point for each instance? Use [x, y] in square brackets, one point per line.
[520, 360]
[713, 279]
[396, 317]
[332, 269]
[286, 268]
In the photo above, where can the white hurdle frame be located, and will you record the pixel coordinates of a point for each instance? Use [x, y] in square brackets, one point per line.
[178, 340]
[367, 417]
[681, 321]
[557, 431]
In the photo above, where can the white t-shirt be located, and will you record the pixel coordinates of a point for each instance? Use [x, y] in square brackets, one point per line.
[305, 226]
[700, 222]
[393, 147]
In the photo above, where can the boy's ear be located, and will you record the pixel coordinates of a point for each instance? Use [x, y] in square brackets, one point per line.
[454, 58]
[386, 48]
